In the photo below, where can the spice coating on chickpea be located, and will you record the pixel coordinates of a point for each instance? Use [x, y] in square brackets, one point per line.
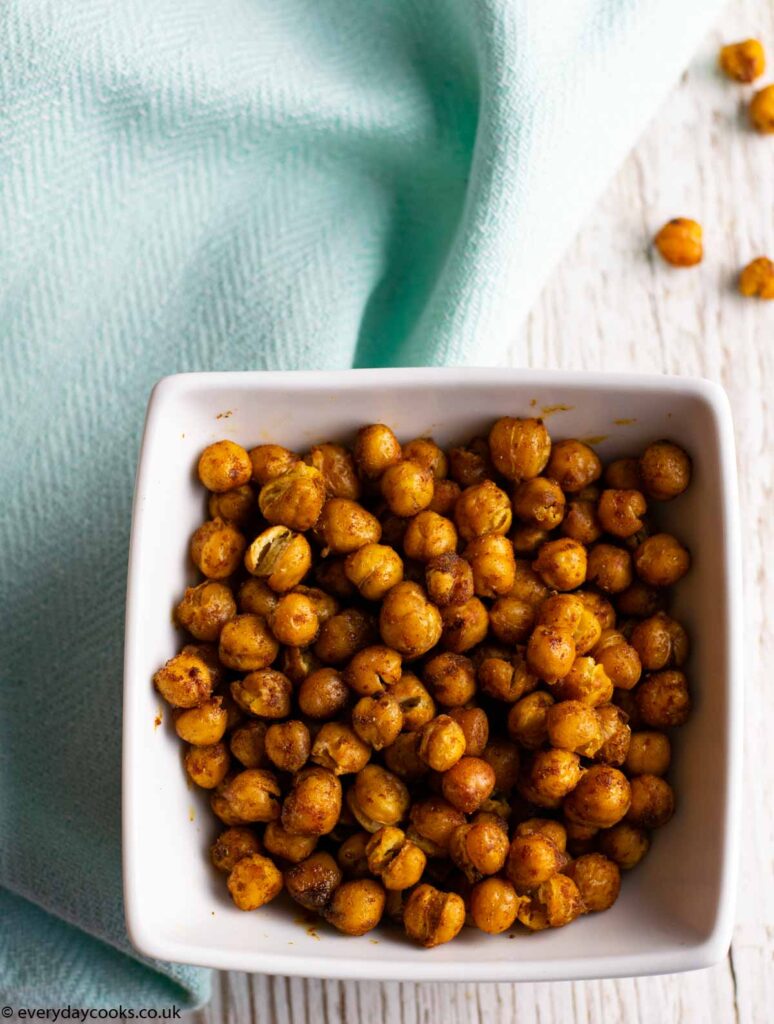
[345, 526]
[494, 905]
[378, 720]
[429, 536]
[207, 766]
[660, 642]
[744, 61]
[337, 467]
[408, 622]
[343, 635]
[237, 506]
[649, 753]
[372, 669]
[482, 508]
[432, 917]
[254, 880]
[290, 848]
[232, 845]
[252, 795]
[519, 448]
[378, 798]
[761, 110]
[573, 465]
[374, 569]
[550, 776]
[464, 625]
[186, 681]
[248, 744]
[653, 801]
[479, 848]
[757, 279]
[224, 466]
[539, 502]
[216, 549]
[468, 783]
[494, 566]
[574, 726]
[620, 512]
[269, 461]
[665, 470]
[601, 798]
[357, 906]
[203, 725]
[279, 556]
[561, 563]
[293, 499]
[598, 880]
[407, 488]
[625, 844]
[663, 700]
[376, 449]
[451, 678]
[550, 653]
[313, 805]
[394, 858]
[205, 609]
[313, 881]
[294, 621]
[680, 242]
[531, 860]
[527, 720]
[323, 694]
[288, 745]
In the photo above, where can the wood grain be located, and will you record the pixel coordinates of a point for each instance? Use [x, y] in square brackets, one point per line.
[611, 304]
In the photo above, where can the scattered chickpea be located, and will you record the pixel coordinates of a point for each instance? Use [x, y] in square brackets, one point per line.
[372, 669]
[394, 858]
[378, 720]
[429, 536]
[451, 678]
[207, 766]
[294, 621]
[757, 279]
[468, 783]
[313, 805]
[269, 461]
[610, 567]
[288, 745]
[337, 468]
[527, 720]
[224, 466]
[653, 801]
[251, 795]
[344, 634]
[288, 847]
[532, 859]
[649, 753]
[601, 798]
[479, 848]
[493, 564]
[345, 526]
[539, 502]
[203, 725]
[248, 744]
[482, 508]
[761, 110]
[679, 242]
[663, 700]
[407, 487]
[744, 62]
[280, 557]
[408, 622]
[374, 569]
[620, 512]
[464, 625]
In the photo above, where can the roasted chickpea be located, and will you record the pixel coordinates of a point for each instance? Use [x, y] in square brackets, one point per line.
[598, 880]
[432, 917]
[352, 857]
[377, 798]
[295, 498]
[616, 735]
[186, 681]
[661, 560]
[625, 844]
[482, 508]
[290, 848]
[378, 720]
[653, 801]
[618, 658]
[429, 536]
[268, 461]
[511, 620]
[205, 609]
[313, 881]
[601, 797]
[323, 694]
[416, 704]
[257, 598]
[251, 795]
[207, 766]
[407, 487]
[757, 279]
[464, 625]
[555, 831]
[550, 776]
[223, 466]
[506, 679]
[294, 620]
[539, 502]
[402, 757]
[532, 859]
[470, 464]
[609, 568]
[216, 549]
[237, 506]
[337, 468]
[445, 494]
[527, 720]
[574, 726]
[561, 563]
[338, 748]
[394, 858]
[325, 605]
[372, 669]
[761, 110]
[329, 574]
[232, 845]
[660, 642]
[663, 700]
[665, 470]
[620, 512]
[279, 556]
[203, 725]
[550, 653]
[468, 783]
[264, 693]
[288, 745]
[493, 564]
[356, 906]
[344, 526]
[640, 600]
[586, 682]
[570, 613]
[343, 635]
[376, 449]
[573, 465]
[580, 522]
[408, 622]
[503, 757]
[248, 744]
[313, 805]
[433, 821]
[519, 448]
[649, 754]
[253, 881]
[451, 679]
[426, 452]
[479, 848]
[555, 903]
[679, 242]
[374, 569]
[744, 62]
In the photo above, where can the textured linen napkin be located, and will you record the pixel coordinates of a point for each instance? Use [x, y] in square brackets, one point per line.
[239, 184]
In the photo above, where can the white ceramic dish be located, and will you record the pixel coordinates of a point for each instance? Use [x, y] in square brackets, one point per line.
[675, 912]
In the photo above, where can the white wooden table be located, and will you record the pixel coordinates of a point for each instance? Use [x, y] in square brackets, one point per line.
[611, 304]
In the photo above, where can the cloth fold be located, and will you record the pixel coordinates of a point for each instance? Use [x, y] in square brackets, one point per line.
[241, 184]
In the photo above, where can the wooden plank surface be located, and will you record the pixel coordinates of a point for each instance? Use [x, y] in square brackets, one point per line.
[611, 304]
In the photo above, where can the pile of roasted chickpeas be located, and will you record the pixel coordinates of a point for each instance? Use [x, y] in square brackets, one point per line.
[436, 686]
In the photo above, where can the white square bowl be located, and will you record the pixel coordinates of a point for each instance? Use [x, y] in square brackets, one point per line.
[675, 911]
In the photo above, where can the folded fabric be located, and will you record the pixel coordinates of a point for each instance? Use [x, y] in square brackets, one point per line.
[241, 184]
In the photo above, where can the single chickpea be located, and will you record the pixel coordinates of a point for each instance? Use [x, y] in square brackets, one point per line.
[527, 720]
[586, 682]
[527, 540]
[580, 522]
[624, 474]
[618, 658]
[344, 634]
[475, 726]
[265, 693]
[207, 766]
[625, 844]
[550, 653]
[464, 625]
[248, 744]
[479, 848]
[660, 641]
[373, 669]
[493, 564]
[598, 880]
[216, 549]
[323, 694]
[494, 905]
[574, 726]
[573, 465]
[571, 614]
[532, 859]
[186, 681]
[441, 743]
[325, 605]
[397, 861]
[336, 465]
[280, 843]
[640, 600]
[352, 857]
[468, 783]
[407, 487]
[257, 598]
[601, 797]
[416, 704]
[427, 453]
[429, 536]
[231, 846]
[482, 508]
[520, 448]
[663, 700]
[744, 62]
[556, 903]
[432, 917]
[376, 449]
[377, 798]
[761, 110]
[254, 880]
[511, 620]
[251, 795]
[757, 279]
[451, 679]
[609, 568]
[649, 754]
[378, 720]
[402, 757]
[561, 563]
[616, 735]
[620, 512]
[433, 821]
[653, 802]
[555, 830]
[223, 466]
[599, 606]
[539, 502]
[661, 560]
[445, 494]
[203, 725]
[280, 557]
[294, 499]
[506, 679]
[268, 461]
[313, 882]
[408, 622]
[294, 621]
[470, 464]
[344, 526]
[338, 748]
[288, 745]
[665, 469]
[679, 242]
[237, 506]
[550, 776]
[313, 805]
[503, 757]
[374, 569]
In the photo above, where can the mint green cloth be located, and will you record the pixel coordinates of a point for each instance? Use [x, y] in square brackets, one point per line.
[238, 184]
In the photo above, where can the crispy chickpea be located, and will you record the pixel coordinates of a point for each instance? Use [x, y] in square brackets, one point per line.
[290, 848]
[599, 606]
[757, 279]
[203, 725]
[223, 466]
[280, 557]
[609, 567]
[679, 242]
[511, 620]
[663, 700]
[313, 881]
[374, 569]
[640, 600]
[268, 461]
[550, 653]
[445, 494]
[402, 757]
[464, 625]
[434, 820]
[539, 502]
[661, 560]
[408, 622]
[573, 465]
[625, 844]
[649, 753]
[288, 745]
[294, 621]
[378, 720]
[376, 449]
[394, 858]
[493, 564]
[665, 470]
[494, 905]
[373, 669]
[555, 830]
[531, 860]
[571, 614]
[561, 563]
[660, 642]
[186, 681]
[744, 62]
[352, 857]
[550, 776]
[527, 719]
[265, 693]
[231, 846]
[338, 747]
[207, 766]
[378, 798]
[586, 682]
[407, 487]
[343, 635]
[257, 598]
[761, 110]
[601, 797]
[519, 448]
[598, 880]
[294, 499]
[429, 536]
[506, 679]
[451, 679]
[528, 586]
[251, 795]
[470, 464]
[337, 467]
[555, 903]
[235, 506]
[449, 580]
[620, 512]
[574, 726]
[618, 658]
[580, 522]
[416, 704]
[468, 783]
[205, 609]
[248, 744]
[253, 881]
[482, 508]
[323, 694]
[313, 805]
[616, 735]
[344, 526]
[432, 917]
[426, 452]
[479, 848]
[503, 757]
[216, 549]
[527, 540]
[653, 802]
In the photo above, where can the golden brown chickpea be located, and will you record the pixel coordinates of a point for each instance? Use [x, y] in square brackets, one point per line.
[402, 757]
[207, 766]
[570, 613]
[616, 735]
[624, 474]
[351, 855]
[343, 635]
[232, 845]
[248, 744]
[445, 494]
[335, 464]
[223, 466]
[429, 536]
[506, 679]
[601, 797]
[468, 783]
[254, 880]
[339, 748]
[653, 802]
[294, 499]
[470, 464]
[344, 526]
[251, 795]
[205, 610]
[433, 821]
[280, 843]
[557, 902]
[378, 798]
[532, 859]
[464, 625]
[555, 831]
[663, 700]
[494, 905]
[618, 658]
[376, 449]
[373, 669]
[407, 487]
[268, 461]
[313, 805]
[503, 756]
[625, 844]
[550, 776]
[280, 557]
[527, 540]
[432, 917]
[757, 279]
[573, 465]
[426, 452]
[186, 681]
[744, 62]
[479, 848]
[660, 641]
[511, 620]
[204, 725]
[374, 569]
[609, 568]
[580, 522]
[550, 653]
[416, 704]
[528, 586]
[665, 469]
[519, 448]
[482, 508]
[527, 720]
[620, 512]
[640, 600]
[378, 720]
[586, 682]
[451, 679]
[237, 506]
[761, 110]
[325, 605]
[599, 606]
[257, 598]
[294, 621]
[265, 693]
[449, 580]
[216, 549]
[394, 858]
[408, 622]
[561, 563]
[649, 754]
[288, 745]
[574, 726]
[598, 880]
[539, 502]
[679, 242]
[313, 881]
[493, 564]
[661, 560]
[323, 694]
